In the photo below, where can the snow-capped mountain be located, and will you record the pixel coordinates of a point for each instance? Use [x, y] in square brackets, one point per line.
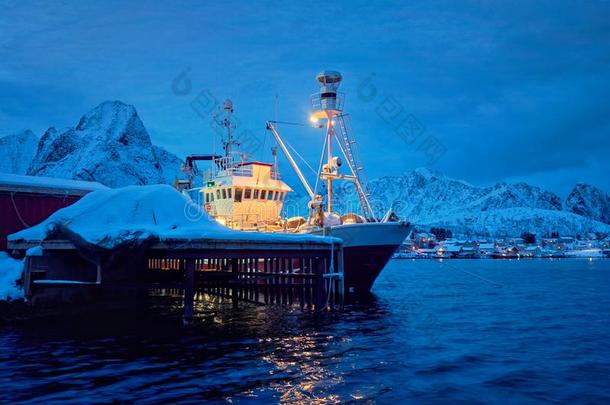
[423, 194]
[589, 201]
[109, 145]
[428, 198]
[17, 151]
[170, 164]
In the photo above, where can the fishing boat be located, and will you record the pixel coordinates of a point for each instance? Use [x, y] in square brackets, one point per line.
[249, 195]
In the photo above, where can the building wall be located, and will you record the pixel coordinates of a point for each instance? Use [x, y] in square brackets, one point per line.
[21, 210]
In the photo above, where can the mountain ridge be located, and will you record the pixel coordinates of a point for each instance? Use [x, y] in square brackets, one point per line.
[429, 198]
[111, 145]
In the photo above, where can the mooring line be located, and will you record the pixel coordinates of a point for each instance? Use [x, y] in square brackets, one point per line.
[475, 275]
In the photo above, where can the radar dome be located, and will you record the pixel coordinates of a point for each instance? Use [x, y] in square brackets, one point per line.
[329, 77]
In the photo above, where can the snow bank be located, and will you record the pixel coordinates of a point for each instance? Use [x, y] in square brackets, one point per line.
[585, 253]
[10, 272]
[110, 217]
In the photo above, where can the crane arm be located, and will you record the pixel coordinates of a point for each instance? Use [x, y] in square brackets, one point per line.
[290, 159]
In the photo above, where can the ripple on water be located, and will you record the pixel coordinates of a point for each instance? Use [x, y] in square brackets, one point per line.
[428, 334]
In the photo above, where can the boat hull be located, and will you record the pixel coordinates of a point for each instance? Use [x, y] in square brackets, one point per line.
[367, 248]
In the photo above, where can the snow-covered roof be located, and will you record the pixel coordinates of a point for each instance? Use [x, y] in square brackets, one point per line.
[487, 246]
[16, 182]
[109, 217]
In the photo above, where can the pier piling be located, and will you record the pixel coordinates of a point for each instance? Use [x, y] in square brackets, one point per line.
[189, 291]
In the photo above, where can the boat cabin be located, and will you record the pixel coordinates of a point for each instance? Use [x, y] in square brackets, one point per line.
[243, 195]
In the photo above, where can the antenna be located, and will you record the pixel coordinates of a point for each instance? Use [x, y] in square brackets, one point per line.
[276, 170]
[227, 123]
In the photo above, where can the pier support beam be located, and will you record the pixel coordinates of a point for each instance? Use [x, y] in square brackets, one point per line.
[235, 286]
[341, 271]
[189, 292]
[319, 284]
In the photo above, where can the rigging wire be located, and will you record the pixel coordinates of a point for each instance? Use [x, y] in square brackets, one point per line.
[263, 148]
[17, 211]
[300, 124]
[315, 189]
[301, 157]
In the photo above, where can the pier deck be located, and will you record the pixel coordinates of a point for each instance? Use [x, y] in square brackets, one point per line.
[300, 272]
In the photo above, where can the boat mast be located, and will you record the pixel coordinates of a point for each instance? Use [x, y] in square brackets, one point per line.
[329, 160]
[328, 104]
[227, 122]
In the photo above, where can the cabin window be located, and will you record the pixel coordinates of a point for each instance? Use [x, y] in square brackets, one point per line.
[218, 194]
[248, 193]
[207, 198]
[211, 197]
[255, 194]
[276, 196]
[238, 194]
[270, 195]
[229, 193]
[224, 193]
[283, 196]
[263, 194]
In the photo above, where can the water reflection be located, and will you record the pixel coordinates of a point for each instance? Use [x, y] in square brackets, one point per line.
[267, 353]
[430, 335]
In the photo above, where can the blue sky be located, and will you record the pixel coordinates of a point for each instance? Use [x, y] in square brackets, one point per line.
[512, 91]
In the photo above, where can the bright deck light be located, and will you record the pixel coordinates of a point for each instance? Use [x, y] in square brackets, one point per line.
[313, 119]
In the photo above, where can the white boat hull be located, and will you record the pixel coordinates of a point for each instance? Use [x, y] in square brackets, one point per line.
[367, 248]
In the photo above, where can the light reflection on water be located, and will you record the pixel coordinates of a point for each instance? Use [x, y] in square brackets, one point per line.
[538, 330]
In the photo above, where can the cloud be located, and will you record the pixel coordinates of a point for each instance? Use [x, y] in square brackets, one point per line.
[512, 89]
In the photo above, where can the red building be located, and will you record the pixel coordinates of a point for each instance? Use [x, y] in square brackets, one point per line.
[28, 200]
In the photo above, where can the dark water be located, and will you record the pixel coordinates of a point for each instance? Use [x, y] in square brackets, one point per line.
[462, 331]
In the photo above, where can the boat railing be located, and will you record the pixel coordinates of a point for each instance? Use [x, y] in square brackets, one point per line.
[319, 103]
[245, 171]
[247, 221]
[275, 175]
[232, 165]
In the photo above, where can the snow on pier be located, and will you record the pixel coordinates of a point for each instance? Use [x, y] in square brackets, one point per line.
[111, 217]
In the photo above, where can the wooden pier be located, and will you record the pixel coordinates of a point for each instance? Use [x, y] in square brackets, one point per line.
[306, 273]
